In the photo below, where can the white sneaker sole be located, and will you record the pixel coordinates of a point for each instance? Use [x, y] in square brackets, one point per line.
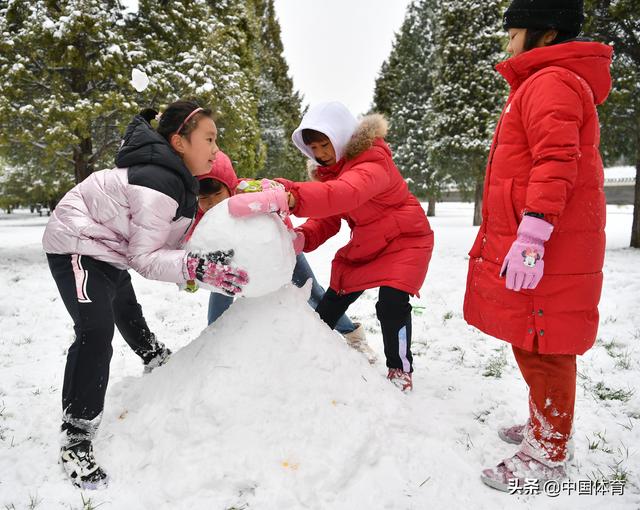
[494, 484]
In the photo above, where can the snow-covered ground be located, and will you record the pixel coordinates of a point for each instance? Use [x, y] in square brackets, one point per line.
[620, 172]
[268, 409]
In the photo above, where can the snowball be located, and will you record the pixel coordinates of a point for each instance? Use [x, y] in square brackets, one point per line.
[139, 80]
[262, 246]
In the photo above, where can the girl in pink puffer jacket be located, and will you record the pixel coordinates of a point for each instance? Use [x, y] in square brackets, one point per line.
[132, 216]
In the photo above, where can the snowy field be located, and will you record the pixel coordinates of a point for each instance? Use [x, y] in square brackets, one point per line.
[270, 410]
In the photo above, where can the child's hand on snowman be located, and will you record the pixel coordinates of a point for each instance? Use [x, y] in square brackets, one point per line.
[298, 241]
[269, 201]
[523, 265]
[215, 269]
[253, 186]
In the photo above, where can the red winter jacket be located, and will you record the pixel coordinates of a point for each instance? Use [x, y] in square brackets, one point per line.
[391, 240]
[545, 159]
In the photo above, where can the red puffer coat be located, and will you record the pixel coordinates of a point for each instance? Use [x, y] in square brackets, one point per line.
[545, 159]
[391, 240]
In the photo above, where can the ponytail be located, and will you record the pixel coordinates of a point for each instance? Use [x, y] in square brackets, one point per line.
[148, 114]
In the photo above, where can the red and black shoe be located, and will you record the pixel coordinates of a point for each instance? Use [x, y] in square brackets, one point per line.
[401, 379]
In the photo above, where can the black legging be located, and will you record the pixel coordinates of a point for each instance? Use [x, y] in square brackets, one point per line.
[394, 313]
[98, 296]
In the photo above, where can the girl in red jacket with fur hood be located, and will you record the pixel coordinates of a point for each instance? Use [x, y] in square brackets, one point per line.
[535, 270]
[391, 242]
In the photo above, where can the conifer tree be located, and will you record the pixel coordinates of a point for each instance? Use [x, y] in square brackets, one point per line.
[64, 85]
[619, 23]
[66, 93]
[403, 93]
[279, 107]
[202, 50]
[468, 92]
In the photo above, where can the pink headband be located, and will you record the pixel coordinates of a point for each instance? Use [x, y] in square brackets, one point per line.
[189, 117]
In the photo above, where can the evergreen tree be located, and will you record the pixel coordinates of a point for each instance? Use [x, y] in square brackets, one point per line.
[618, 22]
[403, 93]
[66, 96]
[279, 107]
[468, 92]
[11, 188]
[202, 50]
[64, 91]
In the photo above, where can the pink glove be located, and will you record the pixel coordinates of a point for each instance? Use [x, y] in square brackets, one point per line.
[269, 184]
[523, 265]
[253, 186]
[214, 269]
[285, 182]
[268, 201]
[298, 241]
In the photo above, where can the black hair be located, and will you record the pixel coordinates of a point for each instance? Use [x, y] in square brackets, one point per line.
[534, 35]
[173, 117]
[148, 114]
[210, 187]
[310, 136]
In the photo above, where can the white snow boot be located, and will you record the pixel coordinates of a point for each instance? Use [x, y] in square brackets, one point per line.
[81, 467]
[357, 340]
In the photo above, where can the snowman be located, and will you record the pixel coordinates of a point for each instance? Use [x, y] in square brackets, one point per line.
[261, 245]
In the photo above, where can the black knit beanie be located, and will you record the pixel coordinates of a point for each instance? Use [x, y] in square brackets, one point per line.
[563, 15]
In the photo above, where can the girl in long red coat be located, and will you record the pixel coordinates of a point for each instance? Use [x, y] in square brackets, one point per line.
[355, 179]
[535, 271]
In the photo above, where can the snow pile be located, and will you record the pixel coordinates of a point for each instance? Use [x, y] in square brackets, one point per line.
[268, 408]
[262, 246]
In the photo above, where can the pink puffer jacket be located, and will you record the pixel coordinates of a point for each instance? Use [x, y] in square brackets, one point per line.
[132, 217]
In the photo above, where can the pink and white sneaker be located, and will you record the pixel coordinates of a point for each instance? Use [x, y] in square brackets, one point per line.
[401, 379]
[515, 435]
[521, 468]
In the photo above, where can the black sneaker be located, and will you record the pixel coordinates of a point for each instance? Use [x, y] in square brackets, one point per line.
[81, 467]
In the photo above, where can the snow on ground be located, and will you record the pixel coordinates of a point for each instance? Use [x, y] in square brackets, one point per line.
[268, 409]
[620, 172]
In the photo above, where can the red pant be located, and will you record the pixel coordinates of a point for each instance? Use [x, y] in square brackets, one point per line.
[552, 395]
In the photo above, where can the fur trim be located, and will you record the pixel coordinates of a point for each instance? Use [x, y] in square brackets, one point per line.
[371, 127]
[312, 170]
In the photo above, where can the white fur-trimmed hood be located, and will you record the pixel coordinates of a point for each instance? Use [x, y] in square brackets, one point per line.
[370, 127]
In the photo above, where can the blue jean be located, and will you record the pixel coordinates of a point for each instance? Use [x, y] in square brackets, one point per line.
[218, 303]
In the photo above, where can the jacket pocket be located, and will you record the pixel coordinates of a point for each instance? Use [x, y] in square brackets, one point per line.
[507, 202]
[366, 243]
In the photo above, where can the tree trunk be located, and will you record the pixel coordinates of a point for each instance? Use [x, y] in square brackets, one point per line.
[81, 154]
[635, 229]
[477, 208]
[431, 209]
